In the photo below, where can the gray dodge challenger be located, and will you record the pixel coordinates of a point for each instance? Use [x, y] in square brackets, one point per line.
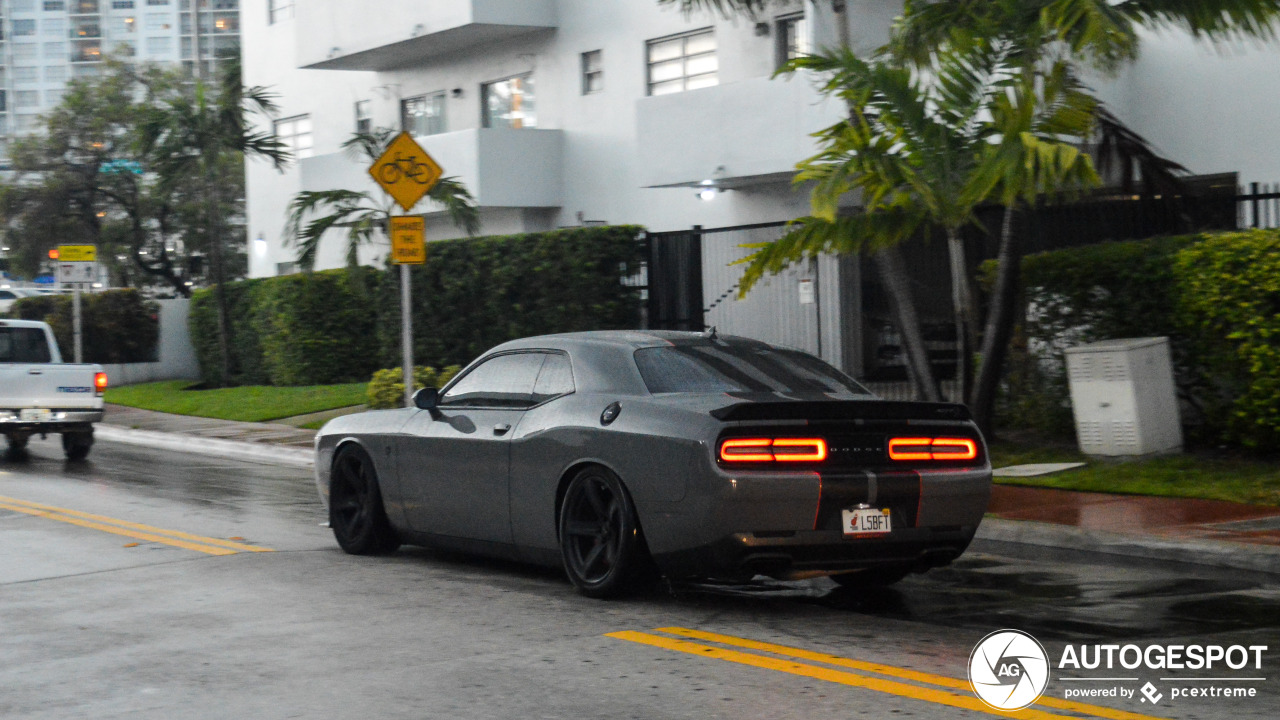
[620, 455]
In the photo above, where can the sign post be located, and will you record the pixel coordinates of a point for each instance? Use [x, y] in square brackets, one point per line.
[406, 172]
[77, 264]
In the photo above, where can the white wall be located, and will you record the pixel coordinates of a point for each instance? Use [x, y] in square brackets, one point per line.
[1212, 108]
[175, 353]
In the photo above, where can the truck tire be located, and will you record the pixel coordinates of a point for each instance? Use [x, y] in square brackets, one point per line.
[17, 446]
[77, 444]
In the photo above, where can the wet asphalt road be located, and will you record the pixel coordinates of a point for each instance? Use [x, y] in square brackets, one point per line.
[99, 624]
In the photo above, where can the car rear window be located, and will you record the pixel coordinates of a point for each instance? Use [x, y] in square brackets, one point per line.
[23, 345]
[726, 367]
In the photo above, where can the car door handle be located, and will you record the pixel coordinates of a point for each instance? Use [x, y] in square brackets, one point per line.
[501, 428]
[35, 372]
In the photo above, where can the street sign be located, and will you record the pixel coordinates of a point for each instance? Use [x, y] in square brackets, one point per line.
[78, 253]
[408, 240]
[405, 171]
[77, 272]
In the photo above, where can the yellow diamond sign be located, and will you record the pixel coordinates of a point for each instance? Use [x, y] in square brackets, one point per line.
[405, 171]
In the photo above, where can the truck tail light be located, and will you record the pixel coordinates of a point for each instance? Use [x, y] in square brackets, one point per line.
[100, 382]
[907, 449]
[763, 450]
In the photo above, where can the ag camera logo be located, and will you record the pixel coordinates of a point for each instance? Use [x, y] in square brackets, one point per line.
[1008, 670]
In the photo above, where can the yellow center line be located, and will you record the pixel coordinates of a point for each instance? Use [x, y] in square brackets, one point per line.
[892, 670]
[964, 700]
[138, 531]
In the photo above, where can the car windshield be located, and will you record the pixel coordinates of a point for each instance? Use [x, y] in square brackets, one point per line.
[23, 345]
[730, 367]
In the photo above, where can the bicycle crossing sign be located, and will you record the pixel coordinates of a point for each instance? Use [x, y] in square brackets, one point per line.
[405, 171]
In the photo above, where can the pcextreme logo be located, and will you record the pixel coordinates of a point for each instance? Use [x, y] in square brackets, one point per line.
[1008, 670]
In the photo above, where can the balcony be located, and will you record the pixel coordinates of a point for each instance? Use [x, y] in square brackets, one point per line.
[501, 168]
[359, 35]
[739, 134]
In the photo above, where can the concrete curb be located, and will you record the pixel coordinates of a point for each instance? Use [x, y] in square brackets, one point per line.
[1214, 553]
[264, 453]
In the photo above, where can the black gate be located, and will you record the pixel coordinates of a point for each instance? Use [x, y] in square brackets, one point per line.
[675, 280]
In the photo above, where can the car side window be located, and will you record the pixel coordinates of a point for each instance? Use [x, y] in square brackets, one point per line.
[6, 295]
[502, 381]
[556, 378]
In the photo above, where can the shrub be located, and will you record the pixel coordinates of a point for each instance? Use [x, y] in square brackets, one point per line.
[117, 326]
[1228, 290]
[472, 294]
[386, 389]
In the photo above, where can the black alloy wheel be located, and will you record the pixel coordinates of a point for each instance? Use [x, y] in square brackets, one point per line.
[601, 544]
[16, 447]
[876, 577]
[356, 515]
[76, 445]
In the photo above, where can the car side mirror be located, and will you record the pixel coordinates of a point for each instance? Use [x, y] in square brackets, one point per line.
[426, 399]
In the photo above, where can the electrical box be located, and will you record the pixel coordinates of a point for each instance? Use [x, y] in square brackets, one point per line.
[1123, 396]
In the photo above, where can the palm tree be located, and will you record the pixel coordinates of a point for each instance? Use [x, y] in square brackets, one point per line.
[365, 218]
[189, 137]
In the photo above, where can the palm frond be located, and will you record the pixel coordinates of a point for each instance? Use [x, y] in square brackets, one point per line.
[458, 204]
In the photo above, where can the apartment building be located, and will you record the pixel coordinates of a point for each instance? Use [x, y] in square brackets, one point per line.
[46, 43]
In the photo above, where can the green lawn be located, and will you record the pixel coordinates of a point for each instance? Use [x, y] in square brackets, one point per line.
[1238, 479]
[254, 403]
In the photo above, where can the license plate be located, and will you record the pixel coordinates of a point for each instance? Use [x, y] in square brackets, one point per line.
[35, 414]
[866, 521]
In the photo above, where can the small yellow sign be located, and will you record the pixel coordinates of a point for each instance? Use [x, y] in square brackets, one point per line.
[78, 253]
[405, 171]
[408, 240]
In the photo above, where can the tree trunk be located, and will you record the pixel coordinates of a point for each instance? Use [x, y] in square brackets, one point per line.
[893, 274]
[965, 314]
[999, 329]
[219, 277]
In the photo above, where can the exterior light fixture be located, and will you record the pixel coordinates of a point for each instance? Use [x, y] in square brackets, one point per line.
[260, 244]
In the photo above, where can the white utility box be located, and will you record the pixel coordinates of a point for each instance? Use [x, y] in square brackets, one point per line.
[1123, 396]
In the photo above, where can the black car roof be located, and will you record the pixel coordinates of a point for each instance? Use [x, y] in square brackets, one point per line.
[627, 338]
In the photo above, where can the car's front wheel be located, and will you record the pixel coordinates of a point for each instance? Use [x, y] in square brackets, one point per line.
[601, 544]
[356, 514]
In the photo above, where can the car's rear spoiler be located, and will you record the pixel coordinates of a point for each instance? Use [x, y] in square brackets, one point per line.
[841, 410]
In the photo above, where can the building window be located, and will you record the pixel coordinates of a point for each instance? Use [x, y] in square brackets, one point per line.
[509, 103]
[121, 4]
[364, 116]
[22, 6]
[286, 268]
[683, 62]
[423, 115]
[278, 10]
[22, 28]
[55, 73]
[159, 46]
[54, 27]
[157, 21]
[25, 74]
[25, 51]
[54, 5]
[24, 99]
[592, 72]
[295, 133]
[793, 38]
[54, 50]
[157, 2]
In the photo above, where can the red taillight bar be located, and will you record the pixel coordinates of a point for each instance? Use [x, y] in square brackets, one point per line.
[905, 449]
[773, 450]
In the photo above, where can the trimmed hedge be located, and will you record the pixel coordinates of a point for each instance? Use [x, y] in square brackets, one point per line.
[117, 326]
[1217, 297]
[472, 294]
[386, 389]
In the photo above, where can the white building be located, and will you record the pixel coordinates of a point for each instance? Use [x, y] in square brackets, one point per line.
[564, 112]
[45, 43]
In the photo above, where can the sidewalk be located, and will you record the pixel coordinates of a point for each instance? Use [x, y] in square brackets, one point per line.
[1205, 532]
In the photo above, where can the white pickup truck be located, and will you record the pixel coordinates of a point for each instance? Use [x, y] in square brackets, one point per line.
[40, 394]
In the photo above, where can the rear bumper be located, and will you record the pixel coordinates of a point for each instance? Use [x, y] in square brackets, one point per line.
[62, 421]
[808, 552]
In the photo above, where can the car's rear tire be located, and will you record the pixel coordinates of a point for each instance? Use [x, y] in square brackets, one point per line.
[76, 445]
[16, 446]
[356, 514]
[601, 545]
[876, 577]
